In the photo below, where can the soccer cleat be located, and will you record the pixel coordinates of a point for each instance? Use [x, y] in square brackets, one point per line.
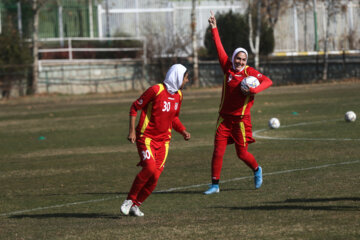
[214, 188]
[125, 207]
[135, 211]
[258, 178]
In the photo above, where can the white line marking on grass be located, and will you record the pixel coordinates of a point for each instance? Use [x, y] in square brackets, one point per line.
[59, 206]
[265, 174]
[177, 188]
[257, 135]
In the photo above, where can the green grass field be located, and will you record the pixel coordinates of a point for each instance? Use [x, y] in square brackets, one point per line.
[66, 167]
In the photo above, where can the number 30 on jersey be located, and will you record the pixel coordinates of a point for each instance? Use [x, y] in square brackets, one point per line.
[167, 106]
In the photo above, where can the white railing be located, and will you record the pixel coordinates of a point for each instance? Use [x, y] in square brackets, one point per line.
[70, 50]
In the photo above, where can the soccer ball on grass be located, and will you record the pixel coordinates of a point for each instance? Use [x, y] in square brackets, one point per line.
[350, 116]
[274, 123]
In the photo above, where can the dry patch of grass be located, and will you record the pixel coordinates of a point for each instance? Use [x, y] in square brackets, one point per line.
[108, 149]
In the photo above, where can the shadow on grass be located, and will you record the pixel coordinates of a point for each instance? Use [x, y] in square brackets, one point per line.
[280, 205]
[104, 193]
[297, 207]
[297, 200]
[67, 215]
[201, 192]
[238, 189]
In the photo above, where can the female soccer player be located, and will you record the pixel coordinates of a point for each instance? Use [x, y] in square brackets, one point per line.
[160, 108]
[234, 123]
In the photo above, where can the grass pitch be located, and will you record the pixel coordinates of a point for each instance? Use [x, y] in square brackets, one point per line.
[66, 167]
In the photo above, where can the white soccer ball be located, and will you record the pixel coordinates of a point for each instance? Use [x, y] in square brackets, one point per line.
[350, 116]
[274, 123]
[250, 81]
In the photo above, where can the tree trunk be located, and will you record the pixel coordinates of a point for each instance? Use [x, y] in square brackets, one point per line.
[258, 32]
[91, 19]
[107, 18]
[316, 45]
[194, 45]
[35, 37]
[305, 25]
[326, 55]
[252, 47]
[255, 49]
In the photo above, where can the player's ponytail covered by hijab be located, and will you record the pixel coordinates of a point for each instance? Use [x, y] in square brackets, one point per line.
[174, 78]
[236, 51]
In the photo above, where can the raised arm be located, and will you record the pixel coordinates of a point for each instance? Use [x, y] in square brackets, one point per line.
[223, 57]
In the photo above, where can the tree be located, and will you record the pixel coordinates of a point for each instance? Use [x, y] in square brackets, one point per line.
[266, 14]
[194, 45]
[36, 7]
[164, 50]
[233, 31]
[14, 59]
[255, 48]
[273, 9]
[236, 26]
[305, 7]
[15, 55]
[332, 7]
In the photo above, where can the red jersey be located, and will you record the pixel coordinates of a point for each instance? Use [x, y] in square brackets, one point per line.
[159, 113]
[233, 101]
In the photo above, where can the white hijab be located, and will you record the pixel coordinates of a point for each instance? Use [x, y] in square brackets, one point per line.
[174, 78]
[235, 53]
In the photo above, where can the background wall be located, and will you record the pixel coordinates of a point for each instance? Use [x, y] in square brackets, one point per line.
[115, 76]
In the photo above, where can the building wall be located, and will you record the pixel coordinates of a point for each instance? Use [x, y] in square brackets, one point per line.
[293, 32]
[80, 78]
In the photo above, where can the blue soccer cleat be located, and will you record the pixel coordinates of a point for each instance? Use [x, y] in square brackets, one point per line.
[214, 188]
[258, 178]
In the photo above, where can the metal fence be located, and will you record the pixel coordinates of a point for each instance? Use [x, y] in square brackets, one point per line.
[294, 31]
[167, 18]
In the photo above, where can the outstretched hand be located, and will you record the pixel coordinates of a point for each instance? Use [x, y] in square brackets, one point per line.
[212, 20]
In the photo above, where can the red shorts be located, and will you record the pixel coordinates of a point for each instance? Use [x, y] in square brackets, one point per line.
[235, 130]
[151, 152]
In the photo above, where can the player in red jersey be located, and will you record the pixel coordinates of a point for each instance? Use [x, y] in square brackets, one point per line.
[160, 108]
[234, 122]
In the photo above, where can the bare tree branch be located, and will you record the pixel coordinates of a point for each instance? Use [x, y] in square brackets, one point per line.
[332, 7]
